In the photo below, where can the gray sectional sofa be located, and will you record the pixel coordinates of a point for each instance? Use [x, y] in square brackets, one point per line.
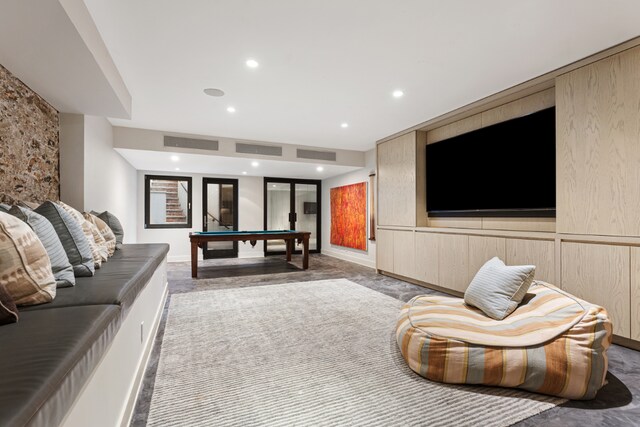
[56, 362]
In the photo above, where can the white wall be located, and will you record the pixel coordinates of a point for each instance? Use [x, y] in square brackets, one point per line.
[368, 257]
[109, 180]
[250, 216]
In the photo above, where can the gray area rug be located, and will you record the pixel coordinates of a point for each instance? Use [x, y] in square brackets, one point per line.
[317, 353]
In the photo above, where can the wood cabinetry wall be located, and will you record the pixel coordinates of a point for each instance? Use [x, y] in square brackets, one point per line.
[591, 249]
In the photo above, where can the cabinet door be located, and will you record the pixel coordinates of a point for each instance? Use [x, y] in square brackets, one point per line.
[397, 181]
[404, 253]
[384, 250]
[453, 261]
[426, 257]
[482, 249]
[540, 253]
[635, 294]
[600, 274]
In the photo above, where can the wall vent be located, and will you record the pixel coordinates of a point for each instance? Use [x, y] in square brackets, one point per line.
[264, 150]
[316, 155]
[199, 144]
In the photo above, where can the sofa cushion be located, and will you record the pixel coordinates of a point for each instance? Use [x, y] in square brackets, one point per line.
[52, 354]
[73, 240]
[114, 224]
[8, 309]
[497, 289]
[60, 265]
[25, 269]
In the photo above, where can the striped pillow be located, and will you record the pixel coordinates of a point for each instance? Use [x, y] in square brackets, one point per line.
[60, 265]
[88, 232]
[25, 269]
[114, 224]
[73, 240]
[105, 231]
[497, 289]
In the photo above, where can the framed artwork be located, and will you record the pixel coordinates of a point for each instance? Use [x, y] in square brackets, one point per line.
[349, 216]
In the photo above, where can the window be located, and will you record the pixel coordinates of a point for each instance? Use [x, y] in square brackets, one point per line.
[167, 201]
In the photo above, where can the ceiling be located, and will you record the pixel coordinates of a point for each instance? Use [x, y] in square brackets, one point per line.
[322, 63]
[212, 164]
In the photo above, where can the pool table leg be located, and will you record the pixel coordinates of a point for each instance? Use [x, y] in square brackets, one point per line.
[305, 252]
[194, 260]
[288, 244]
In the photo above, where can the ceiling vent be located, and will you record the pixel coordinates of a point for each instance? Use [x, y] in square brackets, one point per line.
[316, 155]
[199, 144]
[263, 150]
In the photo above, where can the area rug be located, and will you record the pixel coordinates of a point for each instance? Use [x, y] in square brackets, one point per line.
[317, 353]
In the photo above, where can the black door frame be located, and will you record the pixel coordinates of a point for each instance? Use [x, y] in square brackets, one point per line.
[292, 207]
[219, 253]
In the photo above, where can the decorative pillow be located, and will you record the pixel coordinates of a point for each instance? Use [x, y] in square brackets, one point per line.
[30, 205]
[25, 269]
[100, 241]
[4, 208]
[8, 310]
[114, 224]
[73, 240]
[105, 232]
[60, 265]
[497, 289]
[86, 229]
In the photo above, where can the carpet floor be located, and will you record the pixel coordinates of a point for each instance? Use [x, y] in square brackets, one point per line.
[306, 353]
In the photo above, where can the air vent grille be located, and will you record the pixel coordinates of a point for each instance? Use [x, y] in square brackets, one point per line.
[316, 155]
[264, 150]
[200, 144]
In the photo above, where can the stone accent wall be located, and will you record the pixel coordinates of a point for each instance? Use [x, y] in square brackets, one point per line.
[29, 157]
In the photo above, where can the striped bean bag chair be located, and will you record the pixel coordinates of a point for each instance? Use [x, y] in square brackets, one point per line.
[553, 343]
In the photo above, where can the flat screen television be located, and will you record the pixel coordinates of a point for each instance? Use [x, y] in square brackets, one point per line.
[504, 170]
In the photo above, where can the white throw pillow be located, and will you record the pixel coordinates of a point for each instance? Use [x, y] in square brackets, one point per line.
[497, 289]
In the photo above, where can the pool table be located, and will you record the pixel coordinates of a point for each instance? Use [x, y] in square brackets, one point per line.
[200, 238]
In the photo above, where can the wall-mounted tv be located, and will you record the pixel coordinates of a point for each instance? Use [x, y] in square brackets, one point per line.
[504, 170]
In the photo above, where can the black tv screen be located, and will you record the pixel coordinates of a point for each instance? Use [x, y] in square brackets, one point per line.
[507, 169]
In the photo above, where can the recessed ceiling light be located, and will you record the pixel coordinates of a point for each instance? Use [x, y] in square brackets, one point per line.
[255, 164]
[175, 158]
[231, 109]
[244, 172]
[344, 125]
[177, 169]
[398, 93]
[213, 92]
[252, 63]
[319, 168]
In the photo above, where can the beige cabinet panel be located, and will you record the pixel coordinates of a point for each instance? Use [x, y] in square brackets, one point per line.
[482, 249]
[635, 294]
[397, 181]
[426, 257]
[600, 274]
[404, 253]
[384, 250]
[597, 147]
[540, 253]
[453, 261]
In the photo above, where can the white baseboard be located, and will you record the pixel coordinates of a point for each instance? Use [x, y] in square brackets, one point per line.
[347, 256]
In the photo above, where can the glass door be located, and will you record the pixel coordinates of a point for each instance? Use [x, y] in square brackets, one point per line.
[292, 204]
[220, 213]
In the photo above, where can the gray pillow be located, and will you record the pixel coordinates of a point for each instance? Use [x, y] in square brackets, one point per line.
[73, 240]
[4, 208]
[497, 289]
[114, 224]
[60, 265]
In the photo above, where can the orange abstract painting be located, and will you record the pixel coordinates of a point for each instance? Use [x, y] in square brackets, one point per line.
[349, 216]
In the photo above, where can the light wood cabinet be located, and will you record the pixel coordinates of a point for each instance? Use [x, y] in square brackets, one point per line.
[426, 257]
[482, 249]
[384, 250]
[635, 293]
[597, 147]
[404, 251]
[453, 261]
[600, 274]
[540, 253]
[397, 181]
